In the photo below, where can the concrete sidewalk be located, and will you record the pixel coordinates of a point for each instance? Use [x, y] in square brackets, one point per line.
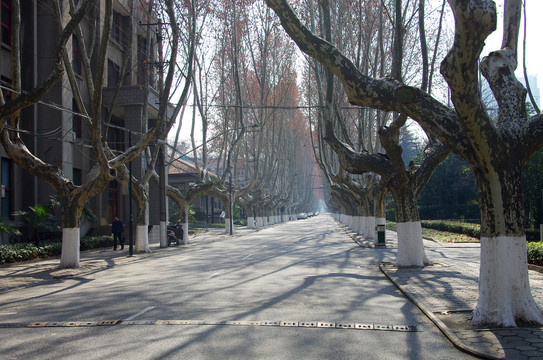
[447, 293]
[39, 271]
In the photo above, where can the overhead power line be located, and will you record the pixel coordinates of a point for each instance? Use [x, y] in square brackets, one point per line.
[282, 107]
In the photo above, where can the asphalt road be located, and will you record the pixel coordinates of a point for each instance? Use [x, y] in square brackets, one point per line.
[227, 300]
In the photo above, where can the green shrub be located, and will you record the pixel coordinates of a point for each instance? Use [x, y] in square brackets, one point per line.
[94, 242]
[535, 253]
[29, 251]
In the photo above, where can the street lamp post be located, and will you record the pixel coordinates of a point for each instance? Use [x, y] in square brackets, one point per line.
[230, 205]
[131, 220]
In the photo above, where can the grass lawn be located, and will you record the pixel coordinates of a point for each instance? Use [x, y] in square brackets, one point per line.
[441, 236]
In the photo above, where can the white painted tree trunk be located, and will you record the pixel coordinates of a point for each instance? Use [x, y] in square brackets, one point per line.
[409, 230]
[356, 224]
[142, 230]
[142, 239]
[227, 225]
[163, 236]
[259, 222]
[70, 248]
[504, 287]
[410, 245]
[250, 222]
[369, 227]
[362, 225]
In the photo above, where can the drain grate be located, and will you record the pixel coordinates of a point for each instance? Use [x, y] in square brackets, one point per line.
[326, 325]
[289, 323]
[278, 323]
[364, 326]
[108, 322]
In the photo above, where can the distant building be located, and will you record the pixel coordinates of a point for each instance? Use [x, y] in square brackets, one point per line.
[182, 174]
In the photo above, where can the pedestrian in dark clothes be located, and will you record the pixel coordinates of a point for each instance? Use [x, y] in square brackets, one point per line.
[117, 229]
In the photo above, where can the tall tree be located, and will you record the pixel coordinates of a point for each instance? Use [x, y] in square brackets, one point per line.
[495, 151]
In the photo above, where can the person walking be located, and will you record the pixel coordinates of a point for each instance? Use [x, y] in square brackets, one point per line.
[117, 229]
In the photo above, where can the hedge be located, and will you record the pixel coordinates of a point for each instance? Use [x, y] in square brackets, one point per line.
[29, 251]
[457, 227]
[535, 253]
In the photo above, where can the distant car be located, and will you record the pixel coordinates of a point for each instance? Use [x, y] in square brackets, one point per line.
[302, 216]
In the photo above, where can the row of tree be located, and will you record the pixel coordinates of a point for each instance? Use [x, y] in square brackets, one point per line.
[245, 96]
[204, 50]
[495, 149]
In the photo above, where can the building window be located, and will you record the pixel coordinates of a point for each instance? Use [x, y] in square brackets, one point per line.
[6, 22]
[76, 120]
[6, 189]
[112, 74]
[76, 56]
[116, 27]
[77, 177]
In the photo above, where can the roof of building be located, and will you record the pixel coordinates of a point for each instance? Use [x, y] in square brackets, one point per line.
[180, 166]
[185, 167]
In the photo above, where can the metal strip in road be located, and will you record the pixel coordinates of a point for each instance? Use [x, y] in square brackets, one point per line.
[282, 324]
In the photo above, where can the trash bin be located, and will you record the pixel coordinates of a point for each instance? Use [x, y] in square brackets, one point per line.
[381, 241]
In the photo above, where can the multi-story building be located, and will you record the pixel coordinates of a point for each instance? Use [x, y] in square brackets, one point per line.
[54, 128]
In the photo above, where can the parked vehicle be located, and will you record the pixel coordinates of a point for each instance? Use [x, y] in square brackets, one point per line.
[175, 234]
[301, 216]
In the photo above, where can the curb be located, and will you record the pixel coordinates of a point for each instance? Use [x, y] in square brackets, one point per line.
[455, 340]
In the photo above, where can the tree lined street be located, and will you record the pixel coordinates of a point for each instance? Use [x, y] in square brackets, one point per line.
[304, 106]
[302, 271]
